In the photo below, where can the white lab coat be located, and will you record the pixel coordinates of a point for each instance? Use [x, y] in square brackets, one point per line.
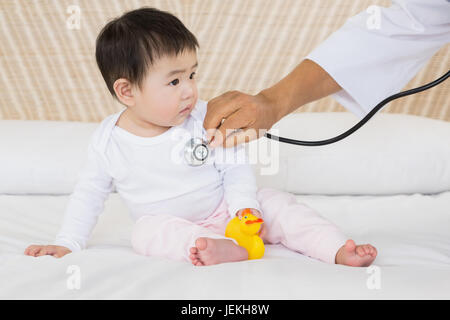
[378, 51]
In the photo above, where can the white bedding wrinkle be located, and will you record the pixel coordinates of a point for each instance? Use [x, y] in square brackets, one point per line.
[413, 256]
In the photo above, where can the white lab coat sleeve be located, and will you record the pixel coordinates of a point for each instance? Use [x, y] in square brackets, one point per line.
[238, 178]
[378, 51]
[85, 203]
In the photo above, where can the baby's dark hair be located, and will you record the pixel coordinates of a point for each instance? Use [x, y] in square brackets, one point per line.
[127, 46]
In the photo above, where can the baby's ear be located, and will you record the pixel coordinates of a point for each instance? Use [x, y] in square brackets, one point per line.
[125, 92]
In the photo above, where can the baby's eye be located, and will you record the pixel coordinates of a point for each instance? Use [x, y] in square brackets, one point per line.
[192, 75]
[174, 82]
[245, 217]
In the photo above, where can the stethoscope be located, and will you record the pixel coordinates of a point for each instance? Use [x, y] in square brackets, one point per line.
[196, 150]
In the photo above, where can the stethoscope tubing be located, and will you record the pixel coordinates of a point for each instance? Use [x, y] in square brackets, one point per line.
[195, 143]
[364, 120]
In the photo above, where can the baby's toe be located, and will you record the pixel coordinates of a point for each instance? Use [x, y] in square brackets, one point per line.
[360, 251]
[350, 245]
[201, 244]
[367, 249]
[193, 250]
[373, 251]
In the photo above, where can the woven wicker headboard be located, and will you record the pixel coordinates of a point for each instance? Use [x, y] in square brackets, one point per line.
[49, 70]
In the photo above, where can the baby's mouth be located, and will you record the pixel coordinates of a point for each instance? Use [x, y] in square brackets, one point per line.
[186, 109]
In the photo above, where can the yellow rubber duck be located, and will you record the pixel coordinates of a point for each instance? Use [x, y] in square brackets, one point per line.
[244, 231]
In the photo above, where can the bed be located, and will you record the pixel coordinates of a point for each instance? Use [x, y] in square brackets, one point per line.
[388, 184]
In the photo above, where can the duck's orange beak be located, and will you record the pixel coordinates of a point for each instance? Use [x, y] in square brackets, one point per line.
[254, 221]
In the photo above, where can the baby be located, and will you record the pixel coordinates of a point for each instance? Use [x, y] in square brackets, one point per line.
[148, 60]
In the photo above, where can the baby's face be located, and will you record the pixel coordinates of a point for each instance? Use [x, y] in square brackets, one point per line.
[168, 89]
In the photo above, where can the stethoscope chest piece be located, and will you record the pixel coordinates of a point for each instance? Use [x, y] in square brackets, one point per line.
[196, 151]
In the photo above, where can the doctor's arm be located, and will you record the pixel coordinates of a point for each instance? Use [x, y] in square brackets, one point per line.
[373, 55]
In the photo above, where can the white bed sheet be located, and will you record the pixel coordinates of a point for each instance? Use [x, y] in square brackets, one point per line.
[411, 233]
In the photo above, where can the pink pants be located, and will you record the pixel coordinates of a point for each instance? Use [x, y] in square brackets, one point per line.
[288, 222]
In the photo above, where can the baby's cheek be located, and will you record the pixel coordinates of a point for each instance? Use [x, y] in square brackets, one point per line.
[167, 114]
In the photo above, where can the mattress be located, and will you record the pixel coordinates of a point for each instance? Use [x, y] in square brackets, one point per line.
[410, 233]
[387, 185]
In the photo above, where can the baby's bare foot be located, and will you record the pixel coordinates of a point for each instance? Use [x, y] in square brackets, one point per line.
[356, 256]
[209, 251]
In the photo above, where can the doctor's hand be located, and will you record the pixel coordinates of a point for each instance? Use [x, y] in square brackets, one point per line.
[255, 115]
[252, 114]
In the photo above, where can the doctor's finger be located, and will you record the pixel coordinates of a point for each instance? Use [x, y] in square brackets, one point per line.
[234, 126]
[243, 136]
[219, 108]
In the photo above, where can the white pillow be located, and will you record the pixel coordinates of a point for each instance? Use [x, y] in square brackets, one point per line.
[390, 154]
[42, 157]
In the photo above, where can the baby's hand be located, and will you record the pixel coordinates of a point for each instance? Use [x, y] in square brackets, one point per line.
[39, 250]
[256, 213]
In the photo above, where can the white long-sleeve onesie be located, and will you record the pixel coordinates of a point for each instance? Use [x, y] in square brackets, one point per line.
[152, 177]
